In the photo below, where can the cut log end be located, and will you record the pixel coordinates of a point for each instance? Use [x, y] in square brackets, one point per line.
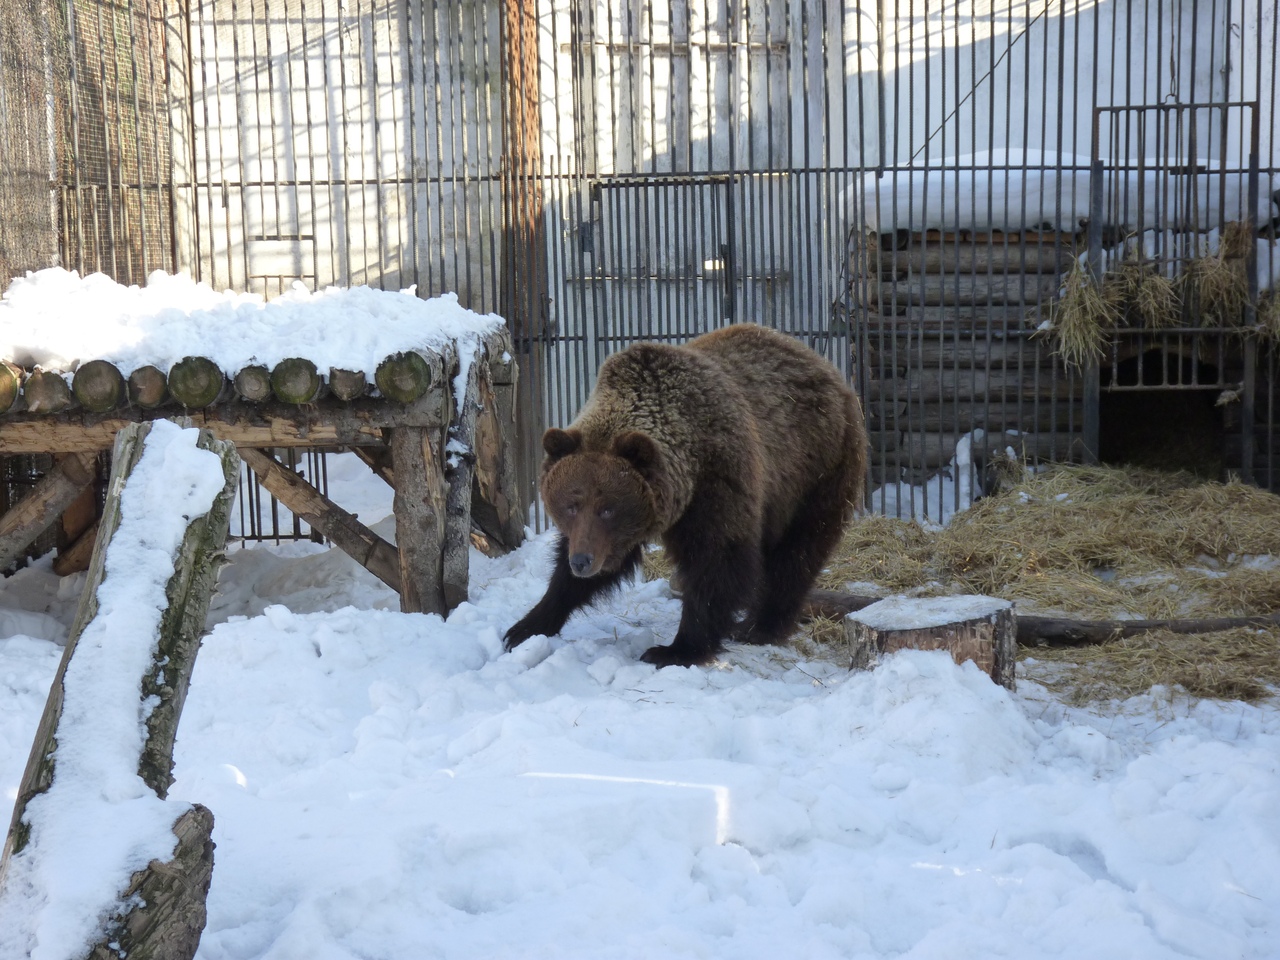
[404, 377]
[148, 387]
[981, 629]
[47, 392]
[296, 380]
[347, 385]
[99, 386]
[253, 383]
[196, 382]
[10, 385]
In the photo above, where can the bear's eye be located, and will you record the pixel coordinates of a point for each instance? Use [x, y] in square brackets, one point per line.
[605, 513]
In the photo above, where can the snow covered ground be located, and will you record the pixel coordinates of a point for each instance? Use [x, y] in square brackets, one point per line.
[395, 786]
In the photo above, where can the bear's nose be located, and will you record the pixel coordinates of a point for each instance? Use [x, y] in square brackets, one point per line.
[580, 563]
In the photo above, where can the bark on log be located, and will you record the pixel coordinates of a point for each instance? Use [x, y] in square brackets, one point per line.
[998, 255]
[10, 385]
[196, 382]
[460, 469]
[931, 290]
[496, 505]
[99, 386]
[347, 533]
[148, 387]
[38, 511]
[420, 518]
[296, 380]
[253, 383]
[173, 895]
[173, 911]
[981, 629]
[404, 377]
[934, 386]
[1048, 631]
[46, 392]
[347, 384]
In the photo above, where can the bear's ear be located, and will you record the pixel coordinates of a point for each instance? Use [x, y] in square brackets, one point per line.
[560, 443]
[640, 451]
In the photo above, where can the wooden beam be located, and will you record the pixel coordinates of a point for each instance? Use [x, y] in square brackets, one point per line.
[342, 528]
[38, 511]
[274, 424]
[420, 518]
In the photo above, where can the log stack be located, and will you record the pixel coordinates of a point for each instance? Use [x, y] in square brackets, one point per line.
[400, 417]
[946, 347]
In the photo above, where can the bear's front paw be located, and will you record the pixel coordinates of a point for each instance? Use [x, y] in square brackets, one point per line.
[517, 635]
[677, 655]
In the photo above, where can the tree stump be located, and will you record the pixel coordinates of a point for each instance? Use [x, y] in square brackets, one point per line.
[977, 628]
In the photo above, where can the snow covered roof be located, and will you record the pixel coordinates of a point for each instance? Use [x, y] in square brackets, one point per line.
[57, 320]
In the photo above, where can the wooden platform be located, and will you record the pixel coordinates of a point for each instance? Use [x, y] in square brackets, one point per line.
[449, 458]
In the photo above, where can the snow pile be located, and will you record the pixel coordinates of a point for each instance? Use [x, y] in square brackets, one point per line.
[943, 495]
[921, 613]
[1041, 190]
[56, 319]
[99, 822]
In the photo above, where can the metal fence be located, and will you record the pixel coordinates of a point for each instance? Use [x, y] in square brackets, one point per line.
[903, 185]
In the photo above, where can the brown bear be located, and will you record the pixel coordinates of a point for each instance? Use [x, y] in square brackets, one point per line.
[742, 451]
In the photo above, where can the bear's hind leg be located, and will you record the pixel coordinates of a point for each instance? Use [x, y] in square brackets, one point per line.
[793, 563]
[565, 594]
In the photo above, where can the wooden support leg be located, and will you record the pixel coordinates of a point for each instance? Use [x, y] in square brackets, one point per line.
[36, 512]
[420, 518]
[305, 501]
[460, 468]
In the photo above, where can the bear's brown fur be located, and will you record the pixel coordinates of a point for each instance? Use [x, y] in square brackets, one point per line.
[743, 452]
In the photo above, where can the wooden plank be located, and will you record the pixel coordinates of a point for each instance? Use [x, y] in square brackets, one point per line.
[38, 511]
[967, 257]
[932, 386]
[329, 424]
[1028, 415]
[955, 349]
[305, 501]
[976, 290]
[77, 556]
[420, 511]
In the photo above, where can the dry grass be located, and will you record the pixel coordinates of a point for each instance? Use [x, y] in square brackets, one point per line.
[1242, 664]
[1083, 315]
[1269, 316]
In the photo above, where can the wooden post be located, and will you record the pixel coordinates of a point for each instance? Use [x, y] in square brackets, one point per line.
[420, 518]
[497, 507]
[981, 629]
[305, 501]
[38, 511]
[162, 910]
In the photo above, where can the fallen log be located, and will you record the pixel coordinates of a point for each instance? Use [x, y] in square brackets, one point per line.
[165, 566]
[343, 529]
[403, 377]
[1049, 631]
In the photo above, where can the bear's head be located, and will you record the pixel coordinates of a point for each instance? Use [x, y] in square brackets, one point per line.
[604, 502]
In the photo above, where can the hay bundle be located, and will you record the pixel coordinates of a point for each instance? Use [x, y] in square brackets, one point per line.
[1084, 314]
